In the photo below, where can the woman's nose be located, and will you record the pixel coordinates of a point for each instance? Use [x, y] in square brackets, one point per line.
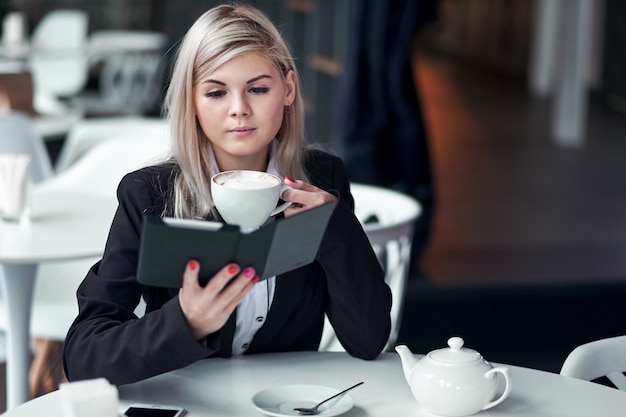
[240, 107]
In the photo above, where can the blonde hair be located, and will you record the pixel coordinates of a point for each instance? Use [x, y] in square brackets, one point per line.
[219, 35]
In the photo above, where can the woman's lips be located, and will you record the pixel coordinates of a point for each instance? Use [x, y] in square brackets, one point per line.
[242, 131]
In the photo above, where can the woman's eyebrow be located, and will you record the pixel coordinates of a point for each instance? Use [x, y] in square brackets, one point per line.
[210, 81]
[252, 80]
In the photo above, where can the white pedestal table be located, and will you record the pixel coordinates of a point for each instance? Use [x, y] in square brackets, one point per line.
[62, 226]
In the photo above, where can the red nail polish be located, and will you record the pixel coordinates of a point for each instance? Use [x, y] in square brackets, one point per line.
[290, 179]
[255, 280]
[249, 272]
[193, 265]
[233, 269]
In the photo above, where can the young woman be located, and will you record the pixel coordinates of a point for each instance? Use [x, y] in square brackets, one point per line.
[233, 103]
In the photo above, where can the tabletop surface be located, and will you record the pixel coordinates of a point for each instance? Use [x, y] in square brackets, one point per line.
[62, 226]
[224, 387]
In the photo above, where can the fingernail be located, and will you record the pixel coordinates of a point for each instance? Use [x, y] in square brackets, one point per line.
[249, 272]
[193, 265]
[255, 280]
[290, 179]
[233, 269]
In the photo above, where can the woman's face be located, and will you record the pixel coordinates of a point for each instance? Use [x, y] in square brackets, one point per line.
[240, 107]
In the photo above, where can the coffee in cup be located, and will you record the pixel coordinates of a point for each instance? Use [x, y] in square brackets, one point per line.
[247, 198]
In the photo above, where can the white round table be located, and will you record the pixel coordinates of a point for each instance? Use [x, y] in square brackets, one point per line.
[62, 226]
[224, 387]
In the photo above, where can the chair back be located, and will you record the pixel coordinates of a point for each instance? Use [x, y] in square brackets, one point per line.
[388, 219]
[100, 169]
[59, 61]
[88, 133]
[131, 76]
[18, 135]
[60, 29]
[600, 358]
[130, 83]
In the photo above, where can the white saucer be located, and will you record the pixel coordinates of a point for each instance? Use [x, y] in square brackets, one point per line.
[281, 401]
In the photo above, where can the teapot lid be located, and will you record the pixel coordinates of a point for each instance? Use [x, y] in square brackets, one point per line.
[455, 353]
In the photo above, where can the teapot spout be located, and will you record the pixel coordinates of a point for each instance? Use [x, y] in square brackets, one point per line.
[408, 361]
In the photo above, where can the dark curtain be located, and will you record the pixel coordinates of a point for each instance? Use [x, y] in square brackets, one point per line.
[380, 132]
[614, 58]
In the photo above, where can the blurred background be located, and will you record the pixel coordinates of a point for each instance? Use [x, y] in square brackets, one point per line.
[505, 118]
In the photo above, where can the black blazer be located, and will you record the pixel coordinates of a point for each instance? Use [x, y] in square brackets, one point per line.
[346, 281]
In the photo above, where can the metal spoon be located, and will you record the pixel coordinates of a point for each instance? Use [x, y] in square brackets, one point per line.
[310, 411]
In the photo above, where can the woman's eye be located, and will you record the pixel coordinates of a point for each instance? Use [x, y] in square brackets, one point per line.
[259, 90]
[215, 94]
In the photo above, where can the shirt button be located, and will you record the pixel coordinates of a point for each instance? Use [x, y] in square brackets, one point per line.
[260, 319]
[245, 346]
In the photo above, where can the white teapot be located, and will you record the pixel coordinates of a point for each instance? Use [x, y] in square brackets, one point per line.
[453, 381]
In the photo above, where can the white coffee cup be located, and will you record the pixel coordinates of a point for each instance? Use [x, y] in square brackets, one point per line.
[247, 198]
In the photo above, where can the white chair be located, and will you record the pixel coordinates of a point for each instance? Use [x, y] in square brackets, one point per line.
[18, 135]
[600, 358]
[58, 61]
[388, 218]
[130, 79]
[90, 132]
[101, 168]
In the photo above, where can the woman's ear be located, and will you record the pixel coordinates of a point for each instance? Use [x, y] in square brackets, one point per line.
[290, 87]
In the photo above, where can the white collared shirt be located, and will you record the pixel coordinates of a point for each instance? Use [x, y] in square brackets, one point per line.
[252, 311]
[251, 314]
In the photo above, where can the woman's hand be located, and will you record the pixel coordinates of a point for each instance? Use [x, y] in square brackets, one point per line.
[304, 196]
[207, 309]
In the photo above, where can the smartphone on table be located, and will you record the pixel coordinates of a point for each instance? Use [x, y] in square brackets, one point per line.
[154, 410]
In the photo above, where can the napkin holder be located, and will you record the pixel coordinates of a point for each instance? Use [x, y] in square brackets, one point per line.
[14, 184]
[89, 398]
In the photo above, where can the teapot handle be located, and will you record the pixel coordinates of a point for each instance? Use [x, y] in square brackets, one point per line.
[507, 389]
